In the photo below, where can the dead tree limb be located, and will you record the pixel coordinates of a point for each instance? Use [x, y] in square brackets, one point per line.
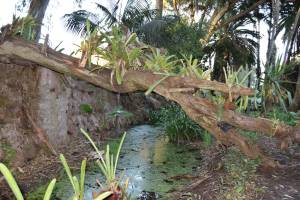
[201, 110]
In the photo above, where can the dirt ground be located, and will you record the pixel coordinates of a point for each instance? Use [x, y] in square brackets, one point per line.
[213, 181]
[44, 167]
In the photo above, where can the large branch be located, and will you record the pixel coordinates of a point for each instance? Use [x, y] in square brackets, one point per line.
[133, 80]
[201, 110]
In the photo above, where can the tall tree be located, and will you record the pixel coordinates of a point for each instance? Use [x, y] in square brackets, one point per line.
[159, 6]
[37, 10]
[134, 14]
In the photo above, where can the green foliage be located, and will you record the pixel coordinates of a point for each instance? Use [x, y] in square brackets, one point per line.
[15, 188]
[118, 112]
[11, 182]
[160, 61]
[9, 152]
[174, 34]
[253, 136]
[207, 138]
[241, 172]
[191, 67]
[275, 75]
[78, 187]
[237, 78]
[183, 39]
[86, 108]
[289, 118]
[130, 14]
[121, 53]
[24, 27]
[89, 45]
[108, 163]
[178, 126]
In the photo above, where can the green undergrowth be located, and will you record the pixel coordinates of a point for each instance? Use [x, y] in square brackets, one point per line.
[39, 192]
[62, 178]
[252, 136]
[177, 125]
[289, 118]
[8, 151]
[241, 176]
[279, 114]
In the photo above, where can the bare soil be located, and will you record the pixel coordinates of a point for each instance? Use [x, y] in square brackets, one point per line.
[45, 166]
[215, 183]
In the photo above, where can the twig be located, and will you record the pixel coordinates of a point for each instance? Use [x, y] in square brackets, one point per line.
[181, 89]
[195, 184]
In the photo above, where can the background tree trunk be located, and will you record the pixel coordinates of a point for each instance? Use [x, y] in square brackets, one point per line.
[159, 6]
[37, 10]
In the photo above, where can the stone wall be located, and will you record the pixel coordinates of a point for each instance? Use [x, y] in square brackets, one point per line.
[54, 102]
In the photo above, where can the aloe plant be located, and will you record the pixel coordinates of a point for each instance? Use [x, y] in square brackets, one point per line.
[120, 52]
[24, 27]
[191, 67]
[107, 163]
[78, 187]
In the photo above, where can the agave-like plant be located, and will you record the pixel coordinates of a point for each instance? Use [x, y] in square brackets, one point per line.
[121, 53]
[237, 78]
[88, 45]
[78, 186]
[273, 89]
[108, 166]
[24, 27]
[159, 61]
[191, 67]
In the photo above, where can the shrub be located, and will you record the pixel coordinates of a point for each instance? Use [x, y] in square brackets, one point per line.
[178, 126]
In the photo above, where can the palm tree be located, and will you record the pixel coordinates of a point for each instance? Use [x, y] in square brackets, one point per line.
[37, 10]
[235, 46]
[135, 13]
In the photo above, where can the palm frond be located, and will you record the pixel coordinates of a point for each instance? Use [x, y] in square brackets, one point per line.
[76, 21]
[109, 17]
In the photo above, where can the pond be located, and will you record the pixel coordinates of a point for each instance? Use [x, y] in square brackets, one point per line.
[149, 161]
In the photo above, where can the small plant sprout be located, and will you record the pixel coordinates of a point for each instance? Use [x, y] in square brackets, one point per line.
[78, 187]
[108, 165]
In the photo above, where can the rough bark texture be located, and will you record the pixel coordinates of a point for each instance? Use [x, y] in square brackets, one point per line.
[199, 109]
[37, 10]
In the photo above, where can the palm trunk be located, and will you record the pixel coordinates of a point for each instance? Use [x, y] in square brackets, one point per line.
[295, 106]
[258, 67]
[291, 38]
[159, 7]
[271, 53]
[37, 10]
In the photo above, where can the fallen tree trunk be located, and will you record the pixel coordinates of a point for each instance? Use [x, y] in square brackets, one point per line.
[201, 110]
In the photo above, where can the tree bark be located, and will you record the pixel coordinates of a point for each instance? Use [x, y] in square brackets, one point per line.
[295, 106]
[201, 110]
[159, 5]
[37, 10]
